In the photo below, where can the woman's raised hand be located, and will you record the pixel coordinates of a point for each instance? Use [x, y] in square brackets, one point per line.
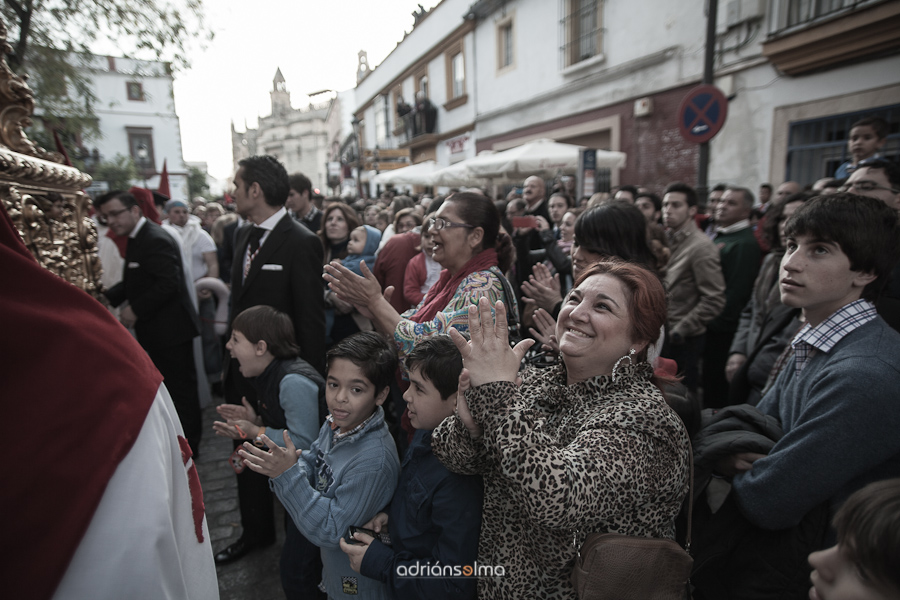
[487, 356]
[350, 287]
[546, 330]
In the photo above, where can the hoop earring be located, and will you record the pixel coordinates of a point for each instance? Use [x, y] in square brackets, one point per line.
[629, 356]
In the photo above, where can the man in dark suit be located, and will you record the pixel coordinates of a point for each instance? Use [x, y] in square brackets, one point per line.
[159, 308]
[277, 262]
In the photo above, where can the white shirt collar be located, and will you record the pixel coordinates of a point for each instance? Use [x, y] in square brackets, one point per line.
[734, 227]
[137, 227]
[269, 224]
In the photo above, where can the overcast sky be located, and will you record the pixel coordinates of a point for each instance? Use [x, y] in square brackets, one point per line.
[314, 43]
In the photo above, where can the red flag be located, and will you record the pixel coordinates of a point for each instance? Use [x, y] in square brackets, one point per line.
[60, 148]
[164, 181]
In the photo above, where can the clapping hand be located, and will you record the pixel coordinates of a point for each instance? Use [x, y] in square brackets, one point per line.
[233, 412]
[487, 356]
[542, 288]
[546, 330]
[274, 462]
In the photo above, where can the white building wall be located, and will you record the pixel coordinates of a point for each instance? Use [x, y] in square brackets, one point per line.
[443, 20]
[751, 148]
[643, 50]
[116, 113]
[652, 46]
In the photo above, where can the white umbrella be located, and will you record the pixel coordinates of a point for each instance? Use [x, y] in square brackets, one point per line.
[417, 174]
[460, 173]
[543, 157]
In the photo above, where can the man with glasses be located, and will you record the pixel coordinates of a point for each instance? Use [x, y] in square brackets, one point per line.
[159, 308]
[879, 179]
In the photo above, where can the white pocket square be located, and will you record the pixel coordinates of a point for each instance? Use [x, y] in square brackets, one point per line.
[272, 268]
[133, 265]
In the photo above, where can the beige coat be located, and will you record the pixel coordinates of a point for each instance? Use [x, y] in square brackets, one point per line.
[694, 282]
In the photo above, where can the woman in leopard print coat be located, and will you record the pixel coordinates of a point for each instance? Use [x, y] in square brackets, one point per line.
[587, 446]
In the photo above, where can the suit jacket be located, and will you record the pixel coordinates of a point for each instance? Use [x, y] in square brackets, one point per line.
[226, 249]
[154, 286]
[286, 275]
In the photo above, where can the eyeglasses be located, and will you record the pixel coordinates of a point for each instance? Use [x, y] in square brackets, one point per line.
[865, 186]
[112, 214]
[438, 223]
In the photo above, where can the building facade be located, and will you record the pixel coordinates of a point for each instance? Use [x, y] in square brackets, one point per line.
[612, 75]
[136, 117]
[419, 103]
[296, 136]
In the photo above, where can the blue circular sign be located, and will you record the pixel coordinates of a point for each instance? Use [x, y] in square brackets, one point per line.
[702, 113]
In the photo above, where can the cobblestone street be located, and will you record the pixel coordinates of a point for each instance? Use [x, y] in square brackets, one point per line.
[255, 575]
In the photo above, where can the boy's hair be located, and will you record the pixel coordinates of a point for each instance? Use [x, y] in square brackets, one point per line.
[272, 326]
[656, 200]
[300, 183]
[690, 194]
[868, 530]
[866, 229]
[439, 361]
[369, 351]
[878, 125]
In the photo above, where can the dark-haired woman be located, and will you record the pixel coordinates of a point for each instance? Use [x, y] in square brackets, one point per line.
[474, 253]
[338, 221]
[612, 230]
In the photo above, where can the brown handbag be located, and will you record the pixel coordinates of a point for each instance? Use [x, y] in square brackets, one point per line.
[611, 566]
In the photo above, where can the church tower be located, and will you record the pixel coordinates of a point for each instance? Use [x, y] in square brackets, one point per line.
[281, 97]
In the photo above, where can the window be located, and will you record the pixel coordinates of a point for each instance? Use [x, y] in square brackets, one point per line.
[817, 147]
[135, 91]
[458, 75]
[455, 71]
[506, 54]
[140, 145]
[796, 12]
[579, 30]
[422, 85]
[382, 118]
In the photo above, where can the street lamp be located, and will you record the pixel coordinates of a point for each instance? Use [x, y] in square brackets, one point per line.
[143, 154]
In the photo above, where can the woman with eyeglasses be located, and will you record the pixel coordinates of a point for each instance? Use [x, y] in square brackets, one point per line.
[474, 253]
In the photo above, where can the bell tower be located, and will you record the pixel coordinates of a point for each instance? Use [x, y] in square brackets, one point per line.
[281, 97]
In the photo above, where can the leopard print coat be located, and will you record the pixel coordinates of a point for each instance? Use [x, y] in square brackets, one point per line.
[594, 456]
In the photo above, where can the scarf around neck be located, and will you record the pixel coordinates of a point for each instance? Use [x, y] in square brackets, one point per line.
[442, 291]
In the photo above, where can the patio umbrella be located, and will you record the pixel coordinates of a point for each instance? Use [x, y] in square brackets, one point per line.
[417, 174]
[461, 174]
[544, 157]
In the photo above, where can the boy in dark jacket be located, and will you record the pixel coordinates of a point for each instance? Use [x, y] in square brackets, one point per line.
[291, 397]
[434, 518]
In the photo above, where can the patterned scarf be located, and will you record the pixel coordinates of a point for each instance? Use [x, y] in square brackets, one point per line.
[441, 293]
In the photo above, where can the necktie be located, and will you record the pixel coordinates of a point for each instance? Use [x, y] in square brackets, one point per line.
[253, 248]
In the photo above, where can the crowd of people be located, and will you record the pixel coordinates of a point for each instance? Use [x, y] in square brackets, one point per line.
[449, 393]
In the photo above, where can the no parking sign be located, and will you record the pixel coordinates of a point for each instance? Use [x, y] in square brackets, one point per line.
[702, 113]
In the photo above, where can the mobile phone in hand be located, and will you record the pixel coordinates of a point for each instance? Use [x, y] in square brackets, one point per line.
[383, 537]
[524, 222]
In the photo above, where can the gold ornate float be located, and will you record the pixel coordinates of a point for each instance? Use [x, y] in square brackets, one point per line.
[62, 239]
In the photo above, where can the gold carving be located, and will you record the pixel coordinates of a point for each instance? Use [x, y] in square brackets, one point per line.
[65, 243]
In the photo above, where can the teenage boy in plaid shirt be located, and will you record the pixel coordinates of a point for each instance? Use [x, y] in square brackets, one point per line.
[837, 397]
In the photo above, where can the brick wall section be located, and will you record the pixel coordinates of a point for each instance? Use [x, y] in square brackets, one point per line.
[657, 154]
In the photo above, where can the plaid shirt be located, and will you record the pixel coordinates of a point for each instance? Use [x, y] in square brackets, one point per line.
[339, 435]
[829, 332]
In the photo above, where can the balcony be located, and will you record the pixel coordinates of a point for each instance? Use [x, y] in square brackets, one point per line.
[811, 35]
